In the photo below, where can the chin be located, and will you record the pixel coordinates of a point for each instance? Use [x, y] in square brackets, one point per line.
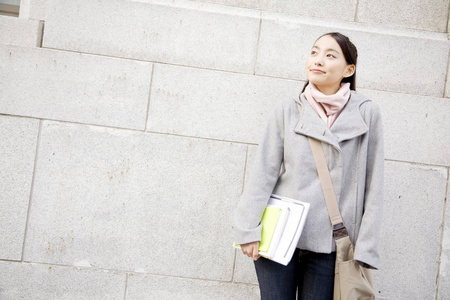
[316, 82]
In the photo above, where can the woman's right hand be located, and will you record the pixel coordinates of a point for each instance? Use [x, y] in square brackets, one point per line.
[251, 250]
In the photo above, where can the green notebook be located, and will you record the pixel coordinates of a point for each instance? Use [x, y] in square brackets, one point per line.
[269, 224]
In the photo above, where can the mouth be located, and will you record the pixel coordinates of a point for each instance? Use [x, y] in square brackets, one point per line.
[317, 71]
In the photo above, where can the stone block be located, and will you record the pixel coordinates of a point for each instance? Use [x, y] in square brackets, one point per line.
[167, 288]
[404, 64]
[214, 104]
[416, 127]
[396, 61]
[20, 32]
[430, 15]
[444, 268]
[412, 226]
[17, 154]
[213, 37]
[37, 281]
[33, 9]
[74, 87]
[134, 201]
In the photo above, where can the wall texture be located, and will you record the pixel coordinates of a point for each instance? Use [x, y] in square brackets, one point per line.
[128, 127]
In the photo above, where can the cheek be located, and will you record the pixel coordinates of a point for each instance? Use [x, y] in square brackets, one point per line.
[338, 67]
[309, 61]
[308, 64]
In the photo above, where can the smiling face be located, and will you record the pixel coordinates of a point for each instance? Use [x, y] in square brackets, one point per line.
[326, 65]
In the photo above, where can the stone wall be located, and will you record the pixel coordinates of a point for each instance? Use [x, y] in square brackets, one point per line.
[127, 128]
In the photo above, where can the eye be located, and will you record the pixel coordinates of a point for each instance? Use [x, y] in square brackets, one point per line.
[331, 55]
[313, 52]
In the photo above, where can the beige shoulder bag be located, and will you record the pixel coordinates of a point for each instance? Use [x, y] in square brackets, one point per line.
[351, 281]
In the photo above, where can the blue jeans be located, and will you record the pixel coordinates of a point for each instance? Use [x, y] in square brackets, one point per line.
[309, 273]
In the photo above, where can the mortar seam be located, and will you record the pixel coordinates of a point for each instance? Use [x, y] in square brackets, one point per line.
[245, 168]
[149, 97]
[41, 38]
[126, 287]
[242, 190]
[30, 198]
[206, 138]
[123, 272]
[447, 78]
[418, 163]
[442, 235]
[355, 17]
[436, 165]
[257, 43]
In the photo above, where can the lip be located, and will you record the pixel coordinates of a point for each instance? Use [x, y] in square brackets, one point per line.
[317, 71]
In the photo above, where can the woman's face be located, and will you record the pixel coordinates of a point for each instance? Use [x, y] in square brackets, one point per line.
[326, 65]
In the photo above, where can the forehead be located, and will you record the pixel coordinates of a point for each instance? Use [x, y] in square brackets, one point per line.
[327, 42]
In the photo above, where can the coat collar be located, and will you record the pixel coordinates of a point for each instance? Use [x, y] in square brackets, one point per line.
[348, 125]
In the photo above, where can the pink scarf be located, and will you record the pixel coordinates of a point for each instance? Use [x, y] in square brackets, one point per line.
[328, 106]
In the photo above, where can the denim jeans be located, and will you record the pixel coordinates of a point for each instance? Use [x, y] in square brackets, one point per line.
[310, 274]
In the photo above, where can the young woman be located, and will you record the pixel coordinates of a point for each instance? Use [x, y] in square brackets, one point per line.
[349, 126]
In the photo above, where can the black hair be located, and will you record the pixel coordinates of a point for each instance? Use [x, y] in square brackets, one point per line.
[350, 54]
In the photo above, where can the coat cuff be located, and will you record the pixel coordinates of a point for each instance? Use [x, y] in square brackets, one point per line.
[367, 260]
[364, 265]
[247, 236]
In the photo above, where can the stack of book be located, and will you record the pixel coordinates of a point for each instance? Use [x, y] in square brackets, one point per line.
[282, 224]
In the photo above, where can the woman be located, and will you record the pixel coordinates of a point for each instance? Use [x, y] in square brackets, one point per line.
[349, 126]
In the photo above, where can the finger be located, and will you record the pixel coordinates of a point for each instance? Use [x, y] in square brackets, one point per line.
[248, 252]
[255, 253]
[245, 250]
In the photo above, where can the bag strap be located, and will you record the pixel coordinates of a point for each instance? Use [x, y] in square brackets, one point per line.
[339, 229]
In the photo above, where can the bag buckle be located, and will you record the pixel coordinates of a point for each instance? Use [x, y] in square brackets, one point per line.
[339, 231]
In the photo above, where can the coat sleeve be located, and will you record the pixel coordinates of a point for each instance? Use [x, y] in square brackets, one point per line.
[261, 181]
[367, 248]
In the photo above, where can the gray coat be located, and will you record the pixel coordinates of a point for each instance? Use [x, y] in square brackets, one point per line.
[284, 165]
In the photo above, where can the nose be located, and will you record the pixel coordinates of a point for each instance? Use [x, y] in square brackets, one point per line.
[318, 61]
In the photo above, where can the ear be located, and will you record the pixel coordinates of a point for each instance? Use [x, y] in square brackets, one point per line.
[349, 70]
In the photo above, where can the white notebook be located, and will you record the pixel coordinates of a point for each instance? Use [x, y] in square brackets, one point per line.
[289, 226]
[292, 229]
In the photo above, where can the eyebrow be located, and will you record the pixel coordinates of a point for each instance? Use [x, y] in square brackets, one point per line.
[329, 49]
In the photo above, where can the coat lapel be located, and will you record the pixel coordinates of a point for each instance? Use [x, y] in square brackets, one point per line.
[348, 125]
[310, 124]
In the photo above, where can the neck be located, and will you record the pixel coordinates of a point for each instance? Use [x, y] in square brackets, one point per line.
[329, 90]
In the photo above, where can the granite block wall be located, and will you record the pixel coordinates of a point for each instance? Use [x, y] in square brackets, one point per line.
[128, 128]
